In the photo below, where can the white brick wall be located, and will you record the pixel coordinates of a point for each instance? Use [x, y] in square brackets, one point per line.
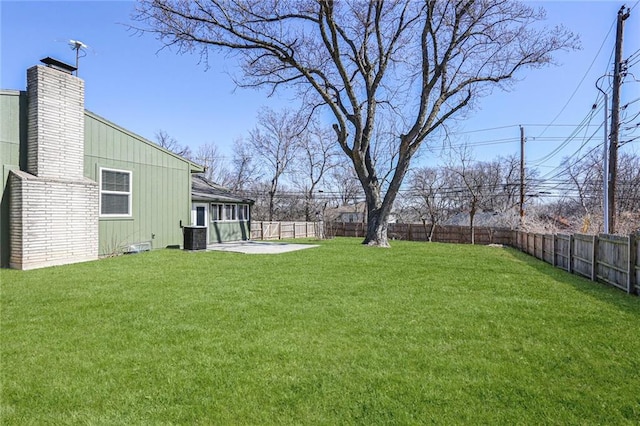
[55, 135]
[53, 221]
[53, 207]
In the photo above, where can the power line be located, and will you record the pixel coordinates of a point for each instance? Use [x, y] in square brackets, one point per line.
[583, 77]
[585, 122]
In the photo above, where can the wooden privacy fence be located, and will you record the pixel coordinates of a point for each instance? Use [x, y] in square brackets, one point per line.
[280, 230]
[611, 259]
[421, 232]
[396, 231]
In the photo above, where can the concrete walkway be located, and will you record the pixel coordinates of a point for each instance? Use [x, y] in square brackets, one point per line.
[258, 247]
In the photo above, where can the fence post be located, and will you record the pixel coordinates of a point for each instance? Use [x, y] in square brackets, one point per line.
[519, 239]
[262, 230]
[594, 257]
[570, 263]
[553, 250]
[534, 246]
[531, 245]
[633, 261]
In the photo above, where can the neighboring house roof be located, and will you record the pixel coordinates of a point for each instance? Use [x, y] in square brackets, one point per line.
[202, 189]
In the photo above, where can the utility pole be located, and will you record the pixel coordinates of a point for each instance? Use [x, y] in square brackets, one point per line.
[605, 167]
[605, 158]
[615, 117]
[522, 171]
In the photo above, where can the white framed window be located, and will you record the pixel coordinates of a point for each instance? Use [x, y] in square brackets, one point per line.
[243, 212]
[217, 212]
[115, 192]
[229, 212]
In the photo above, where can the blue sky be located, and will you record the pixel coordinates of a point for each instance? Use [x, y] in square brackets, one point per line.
[131, 83]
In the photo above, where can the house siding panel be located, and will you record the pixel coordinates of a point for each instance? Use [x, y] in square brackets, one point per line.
[11, 105]
[159, 199]
[229, 231]
[12, 135]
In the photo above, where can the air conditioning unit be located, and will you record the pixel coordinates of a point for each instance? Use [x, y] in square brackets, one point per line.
[195, 237]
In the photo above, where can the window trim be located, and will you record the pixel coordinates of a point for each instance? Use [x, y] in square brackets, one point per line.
[243, 212]
[129, 193]
[219, 212]
[231, 212]
[215, 212]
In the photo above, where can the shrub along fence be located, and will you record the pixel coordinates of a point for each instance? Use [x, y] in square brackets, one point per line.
[611, 259]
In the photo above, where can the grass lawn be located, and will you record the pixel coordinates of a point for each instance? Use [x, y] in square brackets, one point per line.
[339, 334]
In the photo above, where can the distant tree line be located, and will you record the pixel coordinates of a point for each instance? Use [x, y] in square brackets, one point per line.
[290, 167]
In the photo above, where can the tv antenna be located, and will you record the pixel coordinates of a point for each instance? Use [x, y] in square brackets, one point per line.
[79, 47]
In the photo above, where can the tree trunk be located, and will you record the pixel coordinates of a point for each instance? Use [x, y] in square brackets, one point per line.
[472, 215]
[379, 209]
[376, 228]
[271, 206]
[307, 204]
[428, 234]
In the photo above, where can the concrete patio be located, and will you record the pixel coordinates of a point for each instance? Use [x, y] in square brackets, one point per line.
[258, 247]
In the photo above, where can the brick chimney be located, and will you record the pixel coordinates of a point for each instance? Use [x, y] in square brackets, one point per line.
[55, 135]
[53, 207]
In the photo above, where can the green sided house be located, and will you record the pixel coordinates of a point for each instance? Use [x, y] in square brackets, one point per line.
[76, 186]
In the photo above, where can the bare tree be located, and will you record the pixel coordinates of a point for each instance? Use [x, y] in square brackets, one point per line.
[274, 142]
[244, 173]
[474, 182]
[506, 188]
[485, 186]
[170, 143]
[258, 192]
[582, 191]
[422, 61]
[316, 158]
[343, 185]
[628, 190]
[428, 186]
[209, 156]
